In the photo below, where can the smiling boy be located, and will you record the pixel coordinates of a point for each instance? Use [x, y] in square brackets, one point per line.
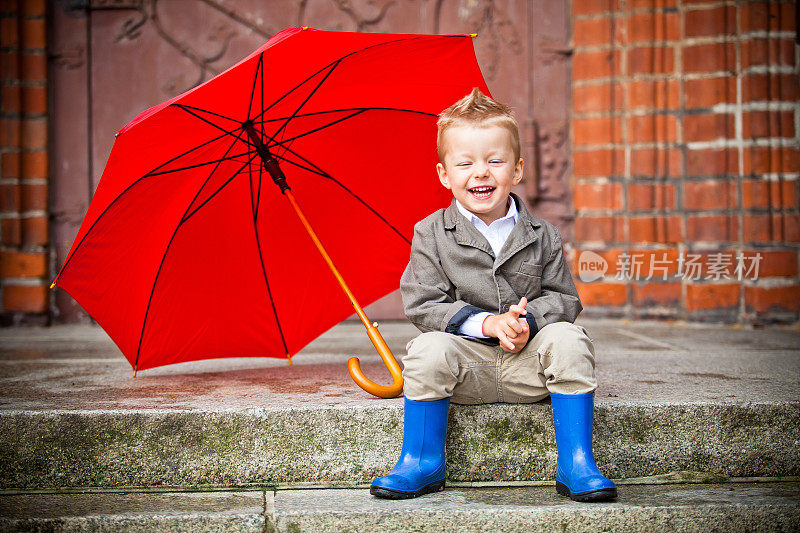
[488, 286]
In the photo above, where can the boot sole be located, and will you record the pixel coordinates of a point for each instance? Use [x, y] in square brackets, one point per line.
[599, 495]
[390, 494]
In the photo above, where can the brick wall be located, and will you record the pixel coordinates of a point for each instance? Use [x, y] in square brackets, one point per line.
[685, 142]
[23, 162]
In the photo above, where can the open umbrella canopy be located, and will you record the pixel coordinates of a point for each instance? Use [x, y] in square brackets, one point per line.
[189, 250]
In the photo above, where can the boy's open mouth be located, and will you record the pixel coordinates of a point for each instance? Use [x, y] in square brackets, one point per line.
[483, 192]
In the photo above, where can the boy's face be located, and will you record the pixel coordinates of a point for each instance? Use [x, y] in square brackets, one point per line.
[479, 168]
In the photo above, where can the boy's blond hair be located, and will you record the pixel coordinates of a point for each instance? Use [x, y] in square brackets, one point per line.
[477, 109]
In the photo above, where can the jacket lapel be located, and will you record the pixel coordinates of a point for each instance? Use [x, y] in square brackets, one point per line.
[521, 236]
[464, 231]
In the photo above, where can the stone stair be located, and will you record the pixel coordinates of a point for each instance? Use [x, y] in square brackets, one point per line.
[696, 423]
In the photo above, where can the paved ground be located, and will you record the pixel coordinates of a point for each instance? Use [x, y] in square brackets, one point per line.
[79, 367]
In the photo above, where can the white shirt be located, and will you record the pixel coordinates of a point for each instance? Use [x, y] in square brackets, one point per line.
[496, 233]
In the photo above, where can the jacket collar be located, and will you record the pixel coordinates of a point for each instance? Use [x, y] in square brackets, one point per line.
[467, 234]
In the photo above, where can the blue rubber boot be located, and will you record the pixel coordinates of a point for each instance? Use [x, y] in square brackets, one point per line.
[420, 469]
[577, 475]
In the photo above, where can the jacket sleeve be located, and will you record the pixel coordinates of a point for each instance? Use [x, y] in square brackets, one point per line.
[428, 293]
[558, 300]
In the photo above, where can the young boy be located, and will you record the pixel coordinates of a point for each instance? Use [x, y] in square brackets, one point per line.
[488, 285]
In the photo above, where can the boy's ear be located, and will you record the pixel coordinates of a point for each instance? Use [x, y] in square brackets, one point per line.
[518, 171]
[442, 171]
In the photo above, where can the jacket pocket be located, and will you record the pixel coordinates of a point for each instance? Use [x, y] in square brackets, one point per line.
[527, 280]
[530, 269]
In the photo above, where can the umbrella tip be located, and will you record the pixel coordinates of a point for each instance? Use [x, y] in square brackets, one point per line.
[52, 285]
[473, 35]
[304, 28]
[134, 371]
[289, 357]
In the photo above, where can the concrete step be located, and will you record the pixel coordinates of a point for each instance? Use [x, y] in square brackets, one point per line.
[709, 403]
[686, 507]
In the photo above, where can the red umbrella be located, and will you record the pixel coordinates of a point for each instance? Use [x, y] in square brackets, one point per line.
[190, 250]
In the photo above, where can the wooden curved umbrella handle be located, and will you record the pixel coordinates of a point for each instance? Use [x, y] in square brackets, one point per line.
[381, 391]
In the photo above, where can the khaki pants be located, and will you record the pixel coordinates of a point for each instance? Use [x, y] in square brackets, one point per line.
[559, 359]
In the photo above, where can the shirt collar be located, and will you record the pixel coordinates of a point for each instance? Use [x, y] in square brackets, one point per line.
[512, 213]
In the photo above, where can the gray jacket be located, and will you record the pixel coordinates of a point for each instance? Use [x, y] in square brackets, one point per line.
[453, 273]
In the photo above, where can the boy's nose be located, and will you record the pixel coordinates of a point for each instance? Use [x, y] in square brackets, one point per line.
[481, 170]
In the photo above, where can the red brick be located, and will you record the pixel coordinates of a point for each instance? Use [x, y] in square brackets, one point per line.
[605, 97]
[771, 124]
[32, 33]
[33, 197]
[775, 263]
[15, 264]
[33, 7]
[775, 87]
[33, 67]
[656, 94]
[772, 52]
[656, 162]
[11, 98]
[659, 229]
[709, 92]
[590, 131]
[595, 31]
[34, 231]
[606, 294]
[589, 65]
[597, 195]
[34, 165]
[652, 128]
[598, 163]
[592, 7]
[604, 229]
[722, 228]
[650, 4]
[9, 32]
[763, 194]
[654, 263]
[10, 198]
[657, 294]
[709, 194]
[762, 228]
[651, 60]
[10, 132]
[704, 296]
[709, 58]
[657, 26]
[772, 299]
[791, 227]
[9, 65]
[711, 162]
[772, 16]
[766, 159]
[708, 127]
[11, 231]
[33, 100]
[34, 133]
[25, 298]
[9, 165]
[646, 196]
[716, 21]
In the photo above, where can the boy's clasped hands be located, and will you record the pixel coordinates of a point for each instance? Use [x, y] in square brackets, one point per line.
[512, 332]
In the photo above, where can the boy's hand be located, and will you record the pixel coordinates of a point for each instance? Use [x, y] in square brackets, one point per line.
[512, 333]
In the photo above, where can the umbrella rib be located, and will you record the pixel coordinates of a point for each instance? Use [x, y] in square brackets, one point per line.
[340, 184]
[344, 109]
[114, 201]
[195, 210]
[328, 65]
[254, 209]
[227, 132]
[186, 107]
[203, 164]
[163, 258]
[259, 67]
[290, 139]
[313, 92]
